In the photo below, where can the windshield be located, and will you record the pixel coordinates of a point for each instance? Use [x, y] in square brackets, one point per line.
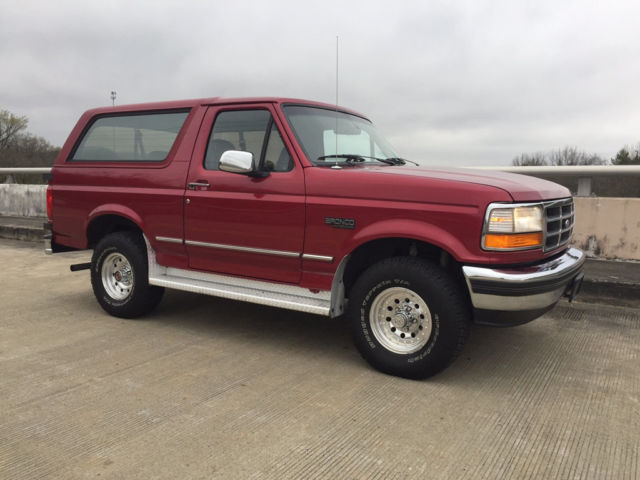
[325, 135]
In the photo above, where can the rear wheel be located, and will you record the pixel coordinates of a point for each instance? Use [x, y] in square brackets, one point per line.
[120, 276]
[408, 317]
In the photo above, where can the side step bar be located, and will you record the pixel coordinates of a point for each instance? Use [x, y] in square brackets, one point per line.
[280, 295]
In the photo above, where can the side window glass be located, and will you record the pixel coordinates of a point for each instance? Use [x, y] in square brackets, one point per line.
[238, 130]
[139, 137]
[277, 158]
[250, 131]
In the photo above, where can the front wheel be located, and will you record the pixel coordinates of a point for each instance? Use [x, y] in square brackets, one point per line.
[408, 317]
[120, 276]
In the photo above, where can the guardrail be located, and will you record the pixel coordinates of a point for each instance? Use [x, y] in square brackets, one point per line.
[570, 170]
[11, 171]
[584, 173]
[607, 226]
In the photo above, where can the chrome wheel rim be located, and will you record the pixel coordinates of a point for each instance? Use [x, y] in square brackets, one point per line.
[400, 320]
[117, 276]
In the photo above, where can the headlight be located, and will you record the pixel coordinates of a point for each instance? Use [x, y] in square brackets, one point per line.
[512, 228]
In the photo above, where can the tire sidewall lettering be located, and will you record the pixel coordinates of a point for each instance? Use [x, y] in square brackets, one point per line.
[443, 297]
[435, 333]
[366, 329]
[364, 318]
[364, 311]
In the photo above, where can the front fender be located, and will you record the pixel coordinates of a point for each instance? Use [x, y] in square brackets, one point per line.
[411, 229]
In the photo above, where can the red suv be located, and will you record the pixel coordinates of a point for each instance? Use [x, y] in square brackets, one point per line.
[305, 206]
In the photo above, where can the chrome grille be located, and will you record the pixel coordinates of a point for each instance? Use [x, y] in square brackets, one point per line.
[560, 217]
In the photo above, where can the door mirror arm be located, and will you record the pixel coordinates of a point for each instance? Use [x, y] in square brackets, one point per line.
[259, 174]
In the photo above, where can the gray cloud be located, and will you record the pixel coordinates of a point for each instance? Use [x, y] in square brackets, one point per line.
[473, 82]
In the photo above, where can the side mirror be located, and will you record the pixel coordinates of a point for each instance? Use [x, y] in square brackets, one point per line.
[237, 161]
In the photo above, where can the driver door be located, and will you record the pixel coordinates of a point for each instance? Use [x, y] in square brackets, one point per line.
[242, 225]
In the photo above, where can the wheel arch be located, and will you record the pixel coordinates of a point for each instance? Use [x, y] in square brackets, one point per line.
[375, 250]
[109, 219]
[392, 301]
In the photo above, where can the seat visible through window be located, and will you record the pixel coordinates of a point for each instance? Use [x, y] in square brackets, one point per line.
[216, 149]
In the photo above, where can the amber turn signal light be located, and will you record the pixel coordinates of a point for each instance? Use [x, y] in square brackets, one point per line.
[518, 240]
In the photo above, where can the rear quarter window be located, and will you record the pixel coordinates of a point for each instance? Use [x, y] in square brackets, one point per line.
[137, 137]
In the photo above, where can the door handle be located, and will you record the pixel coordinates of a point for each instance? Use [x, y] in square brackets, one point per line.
[200, 183]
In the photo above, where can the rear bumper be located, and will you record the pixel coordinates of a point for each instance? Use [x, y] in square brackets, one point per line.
[50, 246]
[511, 296]
[48, 238]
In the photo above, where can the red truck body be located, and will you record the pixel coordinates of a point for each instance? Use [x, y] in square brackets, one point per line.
[300, 227]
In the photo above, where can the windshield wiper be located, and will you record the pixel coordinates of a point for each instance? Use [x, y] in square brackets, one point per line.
[392, 161]
[399, 161]
[351, 157]
[350, 160]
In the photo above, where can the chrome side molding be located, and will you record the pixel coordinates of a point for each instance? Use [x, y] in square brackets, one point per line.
[238, 248]
[168, 239]
[221, 246]
[291, 297]
[318, 258]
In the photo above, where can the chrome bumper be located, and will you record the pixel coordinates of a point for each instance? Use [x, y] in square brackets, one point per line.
[536, 287]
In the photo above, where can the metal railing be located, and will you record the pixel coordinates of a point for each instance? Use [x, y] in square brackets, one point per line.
[36, 170]
[584, 173]
[10, 172]
[560, 170]
[570, 170]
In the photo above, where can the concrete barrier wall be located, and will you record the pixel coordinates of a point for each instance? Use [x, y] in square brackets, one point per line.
[23, 200]
[608, 227]
[605, 227]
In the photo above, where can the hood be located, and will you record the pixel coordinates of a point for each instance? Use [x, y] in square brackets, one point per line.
[522, 188]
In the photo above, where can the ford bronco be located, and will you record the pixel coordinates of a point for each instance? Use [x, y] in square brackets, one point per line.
[305, 206]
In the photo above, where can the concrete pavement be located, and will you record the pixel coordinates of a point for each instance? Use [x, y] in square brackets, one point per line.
[210, 388]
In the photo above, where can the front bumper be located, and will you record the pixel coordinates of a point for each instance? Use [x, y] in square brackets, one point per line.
[511, 296]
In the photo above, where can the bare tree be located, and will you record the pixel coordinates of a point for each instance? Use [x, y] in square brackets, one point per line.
[11, 127]
[572, 156]
[19, 148]
[29, 151]
[562, 156]
[530, 160]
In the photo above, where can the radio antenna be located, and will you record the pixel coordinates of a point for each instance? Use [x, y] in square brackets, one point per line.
[337, 44]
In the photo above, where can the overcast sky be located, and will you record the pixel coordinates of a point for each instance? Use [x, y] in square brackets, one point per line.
[448, 82]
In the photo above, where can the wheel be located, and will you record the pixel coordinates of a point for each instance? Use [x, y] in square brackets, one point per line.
[408, 317]
[120, 276]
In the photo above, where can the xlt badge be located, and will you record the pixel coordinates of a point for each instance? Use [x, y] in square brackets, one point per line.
[336, 222]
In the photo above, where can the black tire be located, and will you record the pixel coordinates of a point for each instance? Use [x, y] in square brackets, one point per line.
[120, 276]
[420, 319]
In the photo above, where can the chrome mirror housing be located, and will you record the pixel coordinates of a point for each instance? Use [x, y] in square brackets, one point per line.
[236, 161]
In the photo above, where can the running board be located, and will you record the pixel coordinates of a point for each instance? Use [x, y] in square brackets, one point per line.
[280, 295]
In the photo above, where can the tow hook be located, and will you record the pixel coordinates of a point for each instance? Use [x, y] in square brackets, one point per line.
[574, 287]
